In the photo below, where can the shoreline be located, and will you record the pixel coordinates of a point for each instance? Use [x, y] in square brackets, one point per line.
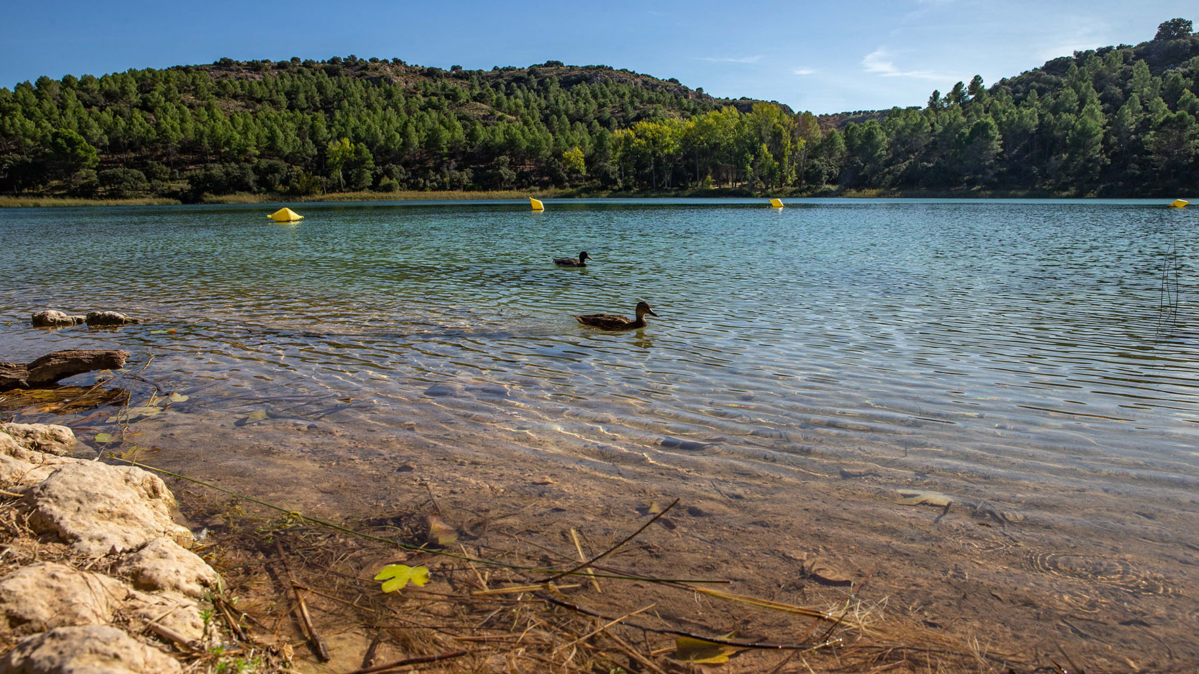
[10, 201]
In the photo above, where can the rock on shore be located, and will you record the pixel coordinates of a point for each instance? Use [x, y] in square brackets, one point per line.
[64, 616]
[93, 649]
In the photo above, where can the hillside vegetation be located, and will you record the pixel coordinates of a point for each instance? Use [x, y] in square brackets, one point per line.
[1118, 120]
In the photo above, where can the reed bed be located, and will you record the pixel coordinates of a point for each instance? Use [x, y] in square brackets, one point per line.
[49, 202]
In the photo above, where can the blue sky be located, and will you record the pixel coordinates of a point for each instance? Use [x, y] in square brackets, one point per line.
[820, 56]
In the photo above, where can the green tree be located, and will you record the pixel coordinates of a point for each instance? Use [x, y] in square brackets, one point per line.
[70, 152]
[573, 162]
[1174, 29]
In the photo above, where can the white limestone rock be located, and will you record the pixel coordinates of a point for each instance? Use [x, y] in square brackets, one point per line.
[93, 649]
[181, 614]
[162, 565]
[20, 467]
[98, 509]
[45, 595]
[45, 438]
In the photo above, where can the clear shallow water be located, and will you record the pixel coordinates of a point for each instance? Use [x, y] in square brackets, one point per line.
[1018, 341]
[929, 320]
[1012, 354]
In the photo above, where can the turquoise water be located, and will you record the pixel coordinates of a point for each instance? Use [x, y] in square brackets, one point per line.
[1017, 355]
[1020, 340]
[930, 319]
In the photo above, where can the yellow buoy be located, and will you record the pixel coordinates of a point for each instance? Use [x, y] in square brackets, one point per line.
[776, 203]
[537, 205]
[285, 215]
[1179, 203]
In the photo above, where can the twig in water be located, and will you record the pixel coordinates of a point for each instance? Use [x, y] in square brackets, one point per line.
[632, 653]
[313, 635]
[612, 549]
[368, 660]
[223, 605]
[574, 535]
[680, 633]
[604, 628]
[410, 661]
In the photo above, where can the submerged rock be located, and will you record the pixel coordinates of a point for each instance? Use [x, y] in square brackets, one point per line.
[443, 390]
[53, 367]
[97, 508]
[162, 565]
[94, 649]
[52, 318]
[109, 318]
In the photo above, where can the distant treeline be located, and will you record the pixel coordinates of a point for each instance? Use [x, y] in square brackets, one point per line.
[1118, 120]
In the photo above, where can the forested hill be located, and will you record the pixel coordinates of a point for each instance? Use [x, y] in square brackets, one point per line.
[1119, 120]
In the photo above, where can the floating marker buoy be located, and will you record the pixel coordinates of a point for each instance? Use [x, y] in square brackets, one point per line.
[537, 205]
[285, 215]
[776, 203]
[1179, 203]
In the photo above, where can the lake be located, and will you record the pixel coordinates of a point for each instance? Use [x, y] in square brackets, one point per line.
[1034, 362]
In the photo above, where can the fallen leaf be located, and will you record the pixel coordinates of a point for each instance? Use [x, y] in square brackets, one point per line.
[251, 418]
[178, 398]
[440, 532]
[105, 437]
[920, 497]
[703, 652]
[396, 576]
[655, 508]
[158, 332]
[132, 413]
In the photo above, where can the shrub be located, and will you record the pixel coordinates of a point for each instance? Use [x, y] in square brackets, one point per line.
[122, 183]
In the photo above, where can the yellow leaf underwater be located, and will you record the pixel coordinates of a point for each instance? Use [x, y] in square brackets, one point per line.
[920, 497]
[251, 418]
[133, 413]
[105, 438]
[396, 576]
[178, 398]
[703, 652]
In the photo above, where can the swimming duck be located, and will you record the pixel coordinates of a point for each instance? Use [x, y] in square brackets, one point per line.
[572, 262]
[609, 322]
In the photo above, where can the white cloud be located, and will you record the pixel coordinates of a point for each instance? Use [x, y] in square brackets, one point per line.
[803, 71]
[733, 59]
[1077, 34]
[879, 62]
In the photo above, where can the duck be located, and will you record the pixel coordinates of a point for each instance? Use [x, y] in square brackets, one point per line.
[610, 322]
[581, 261]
